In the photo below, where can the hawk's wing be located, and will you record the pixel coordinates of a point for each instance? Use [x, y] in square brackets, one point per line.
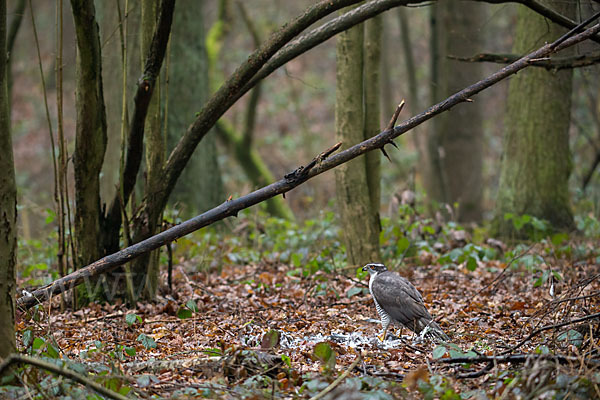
[401, 300]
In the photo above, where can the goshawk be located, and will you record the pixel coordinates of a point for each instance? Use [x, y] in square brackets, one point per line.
[397, 300]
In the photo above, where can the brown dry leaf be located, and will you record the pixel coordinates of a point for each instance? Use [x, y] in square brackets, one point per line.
[413, 377]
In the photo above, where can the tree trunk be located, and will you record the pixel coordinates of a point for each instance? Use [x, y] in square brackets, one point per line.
[536, 159]
[145, 269]
[90, 137]
[414, 103]
[200, 187]
[431, 165]
[361, 232]
[372, 114]
[8, 207]
[458, 138]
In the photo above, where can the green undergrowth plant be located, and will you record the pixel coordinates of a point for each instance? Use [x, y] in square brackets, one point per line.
[98, 363]
[307, 247]
[37, 257]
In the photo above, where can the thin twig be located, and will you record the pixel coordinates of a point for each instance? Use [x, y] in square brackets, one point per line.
[390, 126]
[338, 380]
[548, 327]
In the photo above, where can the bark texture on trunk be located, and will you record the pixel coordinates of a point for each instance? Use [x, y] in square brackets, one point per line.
[200, 187]
[457, 139]
[145, 270]
[536, 158]
[8, 208]
[372, 114]
[360, 229]
[90, 136]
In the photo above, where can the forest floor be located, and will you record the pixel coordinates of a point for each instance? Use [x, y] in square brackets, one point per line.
[206, 348]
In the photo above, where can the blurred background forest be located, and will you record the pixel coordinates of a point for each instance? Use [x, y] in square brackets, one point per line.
[294, 115]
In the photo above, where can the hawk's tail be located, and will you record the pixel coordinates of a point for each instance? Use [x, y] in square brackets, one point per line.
[433, 331]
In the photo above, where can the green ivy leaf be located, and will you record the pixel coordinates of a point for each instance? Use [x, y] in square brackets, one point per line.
[38, 343]
[147, 341]
[131, 319]
[402, 245]
[471, 263]
[543, 349]
[124, 390]
[297, 259]
[130, 351]
[353, 291]
[184, 313]
[559, 238]
[538, 224]
[51, 215]
[455, 353]
[191, 304]
[439, 352]
[287, 360]
[325, 354]
[145, 380]
[27, 337]
[52, 351]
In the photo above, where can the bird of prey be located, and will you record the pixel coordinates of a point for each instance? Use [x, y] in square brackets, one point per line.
[397, 300]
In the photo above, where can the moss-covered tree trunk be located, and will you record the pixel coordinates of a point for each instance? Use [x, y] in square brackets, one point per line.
[90, 136]
[456, 143]
[200, 186]
[8, 208]
[354, 198]
[536, 159]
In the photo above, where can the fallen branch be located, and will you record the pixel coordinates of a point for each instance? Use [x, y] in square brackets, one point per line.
[548, 327]
[63, 371]
[558, 63]
[514, 359]
[232, 207]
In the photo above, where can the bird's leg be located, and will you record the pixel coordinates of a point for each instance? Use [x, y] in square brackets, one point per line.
[385, 328]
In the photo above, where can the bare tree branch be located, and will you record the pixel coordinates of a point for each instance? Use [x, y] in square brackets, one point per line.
[230, 91]
[264, 61]
[549, 327]
[292, 180]
[555, 63]
[547, 12]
